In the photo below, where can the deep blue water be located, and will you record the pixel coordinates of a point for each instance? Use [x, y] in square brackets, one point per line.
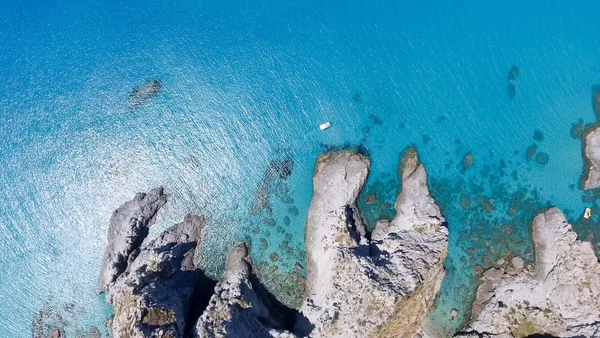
[246, 82]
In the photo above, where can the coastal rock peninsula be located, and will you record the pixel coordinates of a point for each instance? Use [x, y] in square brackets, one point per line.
[379, 287]
[556, 297]
[359, 284]
[154, 296]
[591, 156]
[129, 226]
[240, 307]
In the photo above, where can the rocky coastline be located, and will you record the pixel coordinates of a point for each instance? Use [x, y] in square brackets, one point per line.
[358, 284]
[590, 140]
[555, 297]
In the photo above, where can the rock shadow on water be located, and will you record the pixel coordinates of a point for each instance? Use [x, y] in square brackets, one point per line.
[281, 312]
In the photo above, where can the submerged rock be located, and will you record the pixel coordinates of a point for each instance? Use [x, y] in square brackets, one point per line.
[382, 288]
[530, 151]
[577, 129]
[542, 158]
[558, 297]
[129, 226]
[512, 90]
[513, 73]
[139, 96]
[468, 160]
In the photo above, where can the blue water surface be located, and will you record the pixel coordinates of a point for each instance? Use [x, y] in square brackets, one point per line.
[249, 82]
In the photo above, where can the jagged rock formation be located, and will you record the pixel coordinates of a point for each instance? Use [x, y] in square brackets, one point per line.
[558, 297]
[150, 286]
[591, 156]
[239, 308]
[379, 288]
[128, 227]
[152, 298]
[357, 285]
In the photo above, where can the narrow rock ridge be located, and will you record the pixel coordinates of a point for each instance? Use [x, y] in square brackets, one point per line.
[153, 297]
[238, 307]
[383, 288]
[129, 226]
[557, 297]
[591, 156]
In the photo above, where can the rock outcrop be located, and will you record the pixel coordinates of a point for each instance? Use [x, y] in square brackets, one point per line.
[557, 297]
[359, 285]
[240, 307]
[128, 227]
[591, 155]
[381, 287]
[153, 297]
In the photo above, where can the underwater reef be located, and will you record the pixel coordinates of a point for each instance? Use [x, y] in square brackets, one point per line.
[141, 95]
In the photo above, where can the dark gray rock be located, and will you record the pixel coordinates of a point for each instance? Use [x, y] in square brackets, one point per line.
[153, 297]
[129, 226]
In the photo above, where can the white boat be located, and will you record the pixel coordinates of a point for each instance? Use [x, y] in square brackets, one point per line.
[588, 213]
[325, 125]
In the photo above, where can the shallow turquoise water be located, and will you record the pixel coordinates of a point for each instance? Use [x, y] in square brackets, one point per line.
[248, 82]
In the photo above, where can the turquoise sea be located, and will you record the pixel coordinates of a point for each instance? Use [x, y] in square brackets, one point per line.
[246, 83]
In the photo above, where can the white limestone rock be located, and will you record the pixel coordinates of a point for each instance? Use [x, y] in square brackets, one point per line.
[591, 140]
[558, 297]
[383, 288]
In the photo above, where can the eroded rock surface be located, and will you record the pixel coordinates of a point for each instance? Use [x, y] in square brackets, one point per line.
[129, 226]
[379, 288]
[239, 307]
[591, 153]
[557, 297]
[153, 297]
[359, 285]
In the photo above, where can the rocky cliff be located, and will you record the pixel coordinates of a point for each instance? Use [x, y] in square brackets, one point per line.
[239, 306]
[380, 287]
[359, 284]
[558, 296]
[129, 226]
[153, 297]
